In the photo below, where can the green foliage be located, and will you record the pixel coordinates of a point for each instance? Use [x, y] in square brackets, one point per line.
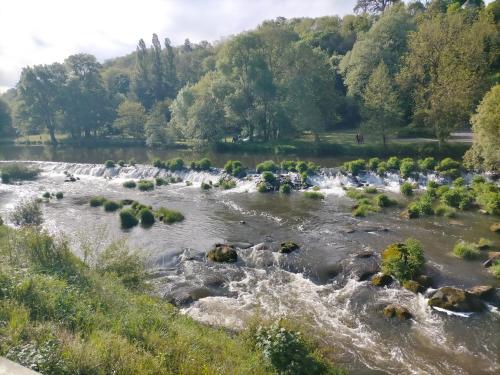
[160, 181]
[111, 206]
[26, 214]
[269, 178]
[404, 261]
[169, 216]
[175, 164]
[457, 197]
[158, 163]
[373, 164]
[285, 189]
[354, 166]
[128, 219]
[487, 196]
[109, 164]
[59, 195]
[314, 195]
[289, 165]
[146, 217]
[370, 190]
[446, 211]
[466, 250]
[145, 185]
[407, 167]
[130, 119]
[226, 183]
[383, 200]
[427, 164]
[393, 163]
[267, 166]
[459, 182]
[495, 269]
[447, 164]
[422, 206]
[382, 168]
[235, 168]
[97, 201]
[201, 165]
[17, 172]
[406, 188]
[121, 163]
[130, 184]
[484, 244]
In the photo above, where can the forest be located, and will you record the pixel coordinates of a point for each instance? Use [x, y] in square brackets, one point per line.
[389, 68]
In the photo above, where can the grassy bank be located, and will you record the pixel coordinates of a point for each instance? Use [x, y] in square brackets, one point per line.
[61, 316]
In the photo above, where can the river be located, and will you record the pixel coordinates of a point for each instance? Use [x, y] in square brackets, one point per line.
[317, 284]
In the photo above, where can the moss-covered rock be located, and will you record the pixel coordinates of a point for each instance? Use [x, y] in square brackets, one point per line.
[288, 247]
[412, 286]
[455, 299]
[397, 311]
[223, 253]
[482, 291]
[381, 279]
[495, 228]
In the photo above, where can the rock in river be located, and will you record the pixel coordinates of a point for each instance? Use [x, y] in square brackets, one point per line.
[397, 311]
[288, 247]
[493, 256]
[223, 253]
[482, 291]
[455, 299]
[381, 279]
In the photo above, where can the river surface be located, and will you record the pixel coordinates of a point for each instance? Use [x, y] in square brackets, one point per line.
[318, 285]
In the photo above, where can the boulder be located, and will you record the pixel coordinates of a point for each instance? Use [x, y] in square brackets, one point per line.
[425, 281]
[223, 253]
[397, 311]
[495, 227]
[364, 254]
[261, 246]
[413, 286]
[482, 291]
[381, 279]
[288, 247]
[455, 299]
[493, 256]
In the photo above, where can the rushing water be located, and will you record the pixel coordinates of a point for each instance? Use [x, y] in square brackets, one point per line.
[318, 284]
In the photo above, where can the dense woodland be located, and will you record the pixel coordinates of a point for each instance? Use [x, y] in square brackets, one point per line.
[390, 66]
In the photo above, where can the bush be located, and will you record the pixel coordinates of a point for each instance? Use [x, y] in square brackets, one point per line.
[226, 183]
[111, 206]
[160, 181]
[382, 168]
[121, 163]
[267, 166]
[146, 217]
[269, 178]
[129, 184]
[145, 185]
[407, 167]
[354, 166]
[46, 195]
[97, 201]
[235, 168]
[18, 172]
[373, 164]
[289, 165]
[301, 167]
[285, 189]
[459, 182]
[109, 164]
[59, 195]
[406, 188]
[128, 219]
[314, 195]
[466, 250]
[175, 164]
[363, 209]
[158, 163]
[201, 165]
[484, 244]
[27, 213]
[427, 164]
[446, 211]
[169, 216]
[495, 269]
[403, 261]
[370, 190]
[458, 198]
[393, 163]
[262, 187]
[383, 200]
[447, 164]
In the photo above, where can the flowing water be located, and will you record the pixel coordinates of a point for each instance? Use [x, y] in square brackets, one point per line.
[321, 284]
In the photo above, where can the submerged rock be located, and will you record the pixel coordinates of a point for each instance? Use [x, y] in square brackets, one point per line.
[288, 247]
[185, 295]
[223, 253]
[455, 299]
[381, 279]
[397, 311]
[493, 256]
[495, 227]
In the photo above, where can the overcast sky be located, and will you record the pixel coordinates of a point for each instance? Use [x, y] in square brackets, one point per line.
[44, 31]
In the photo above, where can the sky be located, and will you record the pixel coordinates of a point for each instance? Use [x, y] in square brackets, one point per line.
[45, 31]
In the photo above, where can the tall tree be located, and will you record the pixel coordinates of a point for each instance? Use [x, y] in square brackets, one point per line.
[170, 70]
[131, 118]
[382, 113]
[141, 81]
[373, 6]
[41, 90]
[158, 71]
[5, 116]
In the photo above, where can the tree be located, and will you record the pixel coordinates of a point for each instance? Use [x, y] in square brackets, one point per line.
[382, 113]
[446, 68]
[141, 81]
[373, 6]
[5, 116]
[131, 119]
[41, 92]
[485, 151]
[157, 131]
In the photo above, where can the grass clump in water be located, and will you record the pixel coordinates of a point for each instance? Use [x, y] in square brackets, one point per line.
[130, 184]
[285, 189]
[160, 181]
[403, 261]
[27, 214]
[446, 211]
[169, 216]
[226, 183]
[314, 195]
[97, 201]
[18, 172]
[145, 185]
[59, 195]
[109, 163]
[201, 165]
[235, 168]
[370, 190]
[406, 188]
[355, 166]
[466, 250]
[112, 206]
[267, 166]
[383, 200]
[146, 217]
[128, 219]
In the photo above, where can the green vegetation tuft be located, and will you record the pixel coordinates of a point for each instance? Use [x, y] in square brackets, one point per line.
[406, 188]
[169, 216]
[97, 201]
[466, 250]
[145, 185]
[109, 164]
[403, 261]
[17, 172]
[314, 195]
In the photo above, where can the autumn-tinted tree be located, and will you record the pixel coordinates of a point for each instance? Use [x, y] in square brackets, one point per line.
[373, 6]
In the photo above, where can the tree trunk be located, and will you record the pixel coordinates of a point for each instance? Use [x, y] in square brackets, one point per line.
[53, 139]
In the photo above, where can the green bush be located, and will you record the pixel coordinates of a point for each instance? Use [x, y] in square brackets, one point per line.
[97, 201]
[109, 163]
[393, 163]
[160, 181]
[201, 165]
[289, 165]
[121, 163]
[457, 197]
[145, 185]
[18, 172]
[373, 164]
[407, 167]
[427, 164]
[128, 219]
[484, 244]
[302, 166]
[355, 194]
[285, 189]
[403, 261]
[383, 200]
[487, 197]
[27, 214]
[447, 164]
[406, 188]
[158, 163]
[129, 184]
[446, 211]
[175, 164]
[111, 206]
[169, 216]
[382, 168]
[314, 195]
[269, 178]
[363, 208]
[267, 166]
[59, 195]
[262, 187]
[235, 168]
[355, 166]
[46, 195]
[495, 269]
[466, 250]
[226, 183]
[459, 182]
[370, 190]
[146, 217]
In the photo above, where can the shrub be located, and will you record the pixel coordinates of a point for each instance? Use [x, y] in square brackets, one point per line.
[447, 164]
[145, 185]
[355, 194]
[289, 165]
[158, 163]
[201, 165]
[314, 195]
[363, 209]
[27, 213]
[383, 200]
[169, 216]
[285, 189]
[458, 198]
[175, 164]
[301, 167]
[403, 261]
[489, 201]
[59, 195]
[354, 166]
[129, 184]
[109, 164]
[262, 187]
[466, 250]
[111, 206]
[373, 164]
[267, 166]
[269, 178]
[427, 164]
[128, 219]
[442, 189]
[132, 162]
[495, 269]
[370, 190]
[484, 244]
[160, 181]
[126, 202]
[97, 201]
[406, 188]
[382, 168]
[205, 186]
[226, 183]
[146, 217]
[46, 195]
[407, 167]
[393, 163]
[450, 173]
[18, 172]
[459, 182]
[121, 163]
[235, 168]
[444, 210]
